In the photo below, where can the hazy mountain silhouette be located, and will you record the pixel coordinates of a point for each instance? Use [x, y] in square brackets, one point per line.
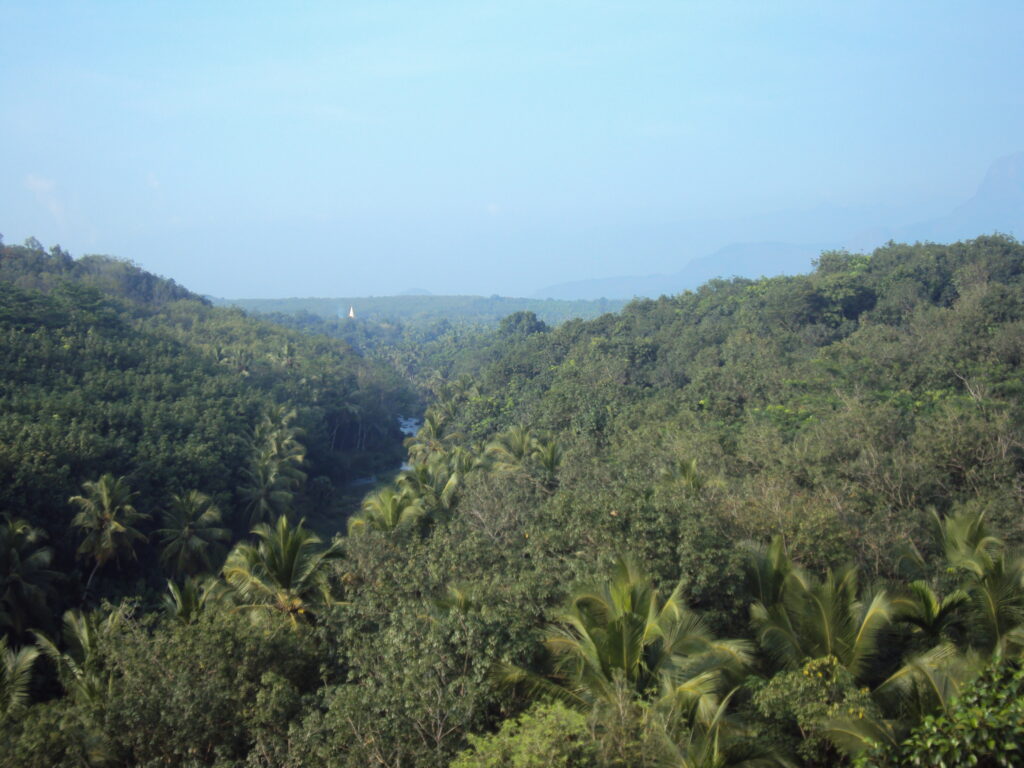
[738, 259]
[997, 206]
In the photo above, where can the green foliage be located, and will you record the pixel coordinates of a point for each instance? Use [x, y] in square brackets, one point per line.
[387, 511]
[545, 735]
[26, 580]
[106, 515]
[201, 693]
[622, 630]
[799, 703]
[193, 534]
[15, 676]
[394, 311]
[983, 727]
[285, 573]
[836, 456]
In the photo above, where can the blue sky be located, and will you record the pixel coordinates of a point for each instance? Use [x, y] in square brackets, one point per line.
[350, 148]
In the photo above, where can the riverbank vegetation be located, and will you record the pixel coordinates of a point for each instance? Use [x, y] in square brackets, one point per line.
[771, 522]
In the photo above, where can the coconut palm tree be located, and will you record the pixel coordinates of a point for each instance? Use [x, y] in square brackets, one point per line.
[719, 740]
[265, 494]
[192, 536]
[430, 438]
[927, 683]
[185, 603]
[387, 510]
[106, 515]
[274, 473]
[682, 473]
[819, 618]
[26, 581]
[933, 618]
[79, 665]
[284, 573]
[546, 460]
[766, 570]
[621, 632]
[511, 450]
[433, 484]
[992, 579]
[15, 676]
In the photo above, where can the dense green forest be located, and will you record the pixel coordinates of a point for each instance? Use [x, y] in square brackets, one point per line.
[765, 523]
[475, 310]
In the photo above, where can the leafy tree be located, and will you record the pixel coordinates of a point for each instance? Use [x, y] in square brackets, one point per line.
[545, 735]
[224, 694]
[981, 727]
[522, 323]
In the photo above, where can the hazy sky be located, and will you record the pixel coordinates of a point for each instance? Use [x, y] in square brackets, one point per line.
[350, 148]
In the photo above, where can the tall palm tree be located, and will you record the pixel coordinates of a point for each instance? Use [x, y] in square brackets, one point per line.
[718, 740]
[106, 515]
[26, 581]
[933, 618]
[433, 484]
[185, 603]
[79, 665]
[992, 578]
[766, 570]
[387, 510]
[621, 632]
[995, 587]
[285, 572]
[15, 676]
[819, 618]
[430, 438]
[192, 535]
[547, 460]
[266, 494]
[927, 683]
[682, 473]
[510, 451]
[274, 473]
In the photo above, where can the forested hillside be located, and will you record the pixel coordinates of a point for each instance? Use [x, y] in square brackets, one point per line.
[106, 369]
[766, 523]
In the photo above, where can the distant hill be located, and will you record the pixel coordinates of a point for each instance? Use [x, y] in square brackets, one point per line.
[737, 260]
[475, 309]
[31, 267]
[996, 206]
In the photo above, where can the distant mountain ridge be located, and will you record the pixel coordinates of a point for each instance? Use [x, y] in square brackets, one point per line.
[996, 206]
[738, 259]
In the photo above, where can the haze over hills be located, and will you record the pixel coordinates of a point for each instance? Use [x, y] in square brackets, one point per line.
[740, 259]
[425, 307]
[997, 206]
